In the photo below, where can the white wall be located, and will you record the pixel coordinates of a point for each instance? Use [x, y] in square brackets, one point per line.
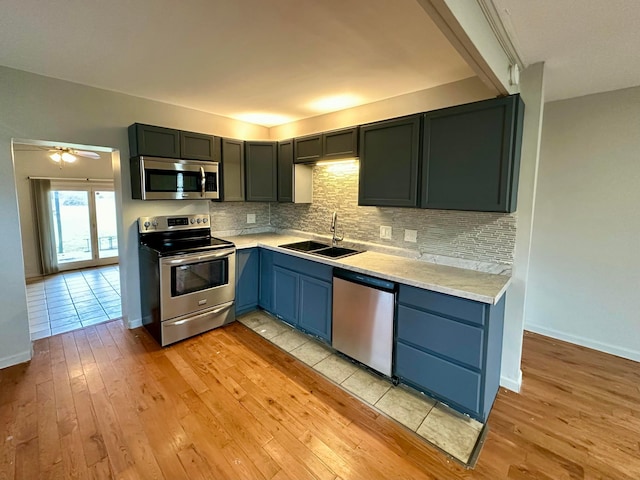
[532, 92]
[585, 260]
[41, 108]
[37, 163]
[455, 93]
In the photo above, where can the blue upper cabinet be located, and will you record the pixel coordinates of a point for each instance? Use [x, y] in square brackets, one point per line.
[164, 142]
[261, 171]
[471, 156]
[199, 146]
[389, 157]
[285, 171]
[332, 145]
[153, 141]
[307, 149]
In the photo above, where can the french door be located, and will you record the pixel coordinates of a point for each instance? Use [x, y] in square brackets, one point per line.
[84, 224]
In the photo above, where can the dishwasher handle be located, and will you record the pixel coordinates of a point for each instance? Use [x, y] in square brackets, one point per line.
[365, 280]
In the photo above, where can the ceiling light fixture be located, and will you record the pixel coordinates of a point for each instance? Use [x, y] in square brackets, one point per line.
[63, 155]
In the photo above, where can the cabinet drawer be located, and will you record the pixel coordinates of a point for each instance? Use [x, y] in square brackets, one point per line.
[444, 379]
[453, 339]
[448, 305]
[307, 267]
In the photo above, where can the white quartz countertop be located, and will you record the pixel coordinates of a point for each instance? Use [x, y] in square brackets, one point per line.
[460, 282]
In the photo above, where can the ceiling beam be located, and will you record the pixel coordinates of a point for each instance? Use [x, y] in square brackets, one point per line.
[474, 36]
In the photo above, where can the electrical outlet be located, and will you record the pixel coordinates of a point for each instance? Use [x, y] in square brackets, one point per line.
[251, 218]
[411, 236]
[385, 232]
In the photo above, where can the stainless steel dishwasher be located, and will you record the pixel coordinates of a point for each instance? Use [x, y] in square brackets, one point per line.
[363, 310]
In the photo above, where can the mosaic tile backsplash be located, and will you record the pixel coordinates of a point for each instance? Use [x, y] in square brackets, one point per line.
[471, 236]
[479, 236]
[232, 216]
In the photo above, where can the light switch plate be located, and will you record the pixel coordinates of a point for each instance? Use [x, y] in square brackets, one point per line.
[251, 218]
[385, 232]
[411, 236]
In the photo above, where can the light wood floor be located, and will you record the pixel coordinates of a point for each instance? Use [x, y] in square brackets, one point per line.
[105, 402]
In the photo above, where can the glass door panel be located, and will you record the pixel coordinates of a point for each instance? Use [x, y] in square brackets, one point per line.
[72, 225]
[106, 224]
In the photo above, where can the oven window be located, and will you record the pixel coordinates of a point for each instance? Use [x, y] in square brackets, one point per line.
[199, 276]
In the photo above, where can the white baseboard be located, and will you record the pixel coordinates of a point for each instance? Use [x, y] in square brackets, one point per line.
[131, 324]
[511, 384]
[15, 359]
[585, 342]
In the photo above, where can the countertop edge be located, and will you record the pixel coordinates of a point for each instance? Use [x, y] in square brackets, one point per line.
[256, 243]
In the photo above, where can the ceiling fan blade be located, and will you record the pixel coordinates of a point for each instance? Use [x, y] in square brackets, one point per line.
[82, 153]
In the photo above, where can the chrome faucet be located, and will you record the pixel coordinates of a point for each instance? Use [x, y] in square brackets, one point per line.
[334, 223]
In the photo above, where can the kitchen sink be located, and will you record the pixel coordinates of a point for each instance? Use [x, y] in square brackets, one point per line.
[336, 252]
[321, 249]
[306, 246]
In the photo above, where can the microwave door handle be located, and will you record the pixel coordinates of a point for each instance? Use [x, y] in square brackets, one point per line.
[203, 181]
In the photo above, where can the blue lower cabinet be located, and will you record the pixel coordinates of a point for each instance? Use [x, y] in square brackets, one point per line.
[448, 381]
[265, 291]
[450, 348]
[247, 280]
[302, 294]
[315, 307]
[285, 294]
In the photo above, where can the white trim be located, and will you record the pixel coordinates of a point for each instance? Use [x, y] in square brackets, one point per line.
[504, 32]
[15, 359]
[131, 324]
[510, 384]
[585, 342]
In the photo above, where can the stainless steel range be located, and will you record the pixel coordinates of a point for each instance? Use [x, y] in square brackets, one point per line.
[187, 277]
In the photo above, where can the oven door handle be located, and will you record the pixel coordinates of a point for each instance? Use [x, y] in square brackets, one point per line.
[203, 182]
[198, 257]
[215, 311]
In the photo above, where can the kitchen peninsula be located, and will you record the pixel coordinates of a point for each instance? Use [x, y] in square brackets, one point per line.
[448, 320]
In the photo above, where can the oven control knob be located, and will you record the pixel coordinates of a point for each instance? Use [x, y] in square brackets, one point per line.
[154, 222]
[199, 220]
[193, 220]
[147, 224]
[204, 220]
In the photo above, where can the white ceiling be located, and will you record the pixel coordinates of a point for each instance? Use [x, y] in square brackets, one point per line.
[588, 46]
[240, 58]
[233, 57]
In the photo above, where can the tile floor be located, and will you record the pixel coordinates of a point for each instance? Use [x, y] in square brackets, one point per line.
[452, 432]
[70, 300]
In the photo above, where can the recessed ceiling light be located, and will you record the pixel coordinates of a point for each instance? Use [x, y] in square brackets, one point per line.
[266, 119]
[335, 102]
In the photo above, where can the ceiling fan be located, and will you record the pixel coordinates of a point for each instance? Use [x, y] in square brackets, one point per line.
[69, 155]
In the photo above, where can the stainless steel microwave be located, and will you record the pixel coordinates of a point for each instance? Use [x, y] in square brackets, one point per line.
[154, 178]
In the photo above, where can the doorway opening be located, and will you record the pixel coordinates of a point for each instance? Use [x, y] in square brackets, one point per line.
[69, 228]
